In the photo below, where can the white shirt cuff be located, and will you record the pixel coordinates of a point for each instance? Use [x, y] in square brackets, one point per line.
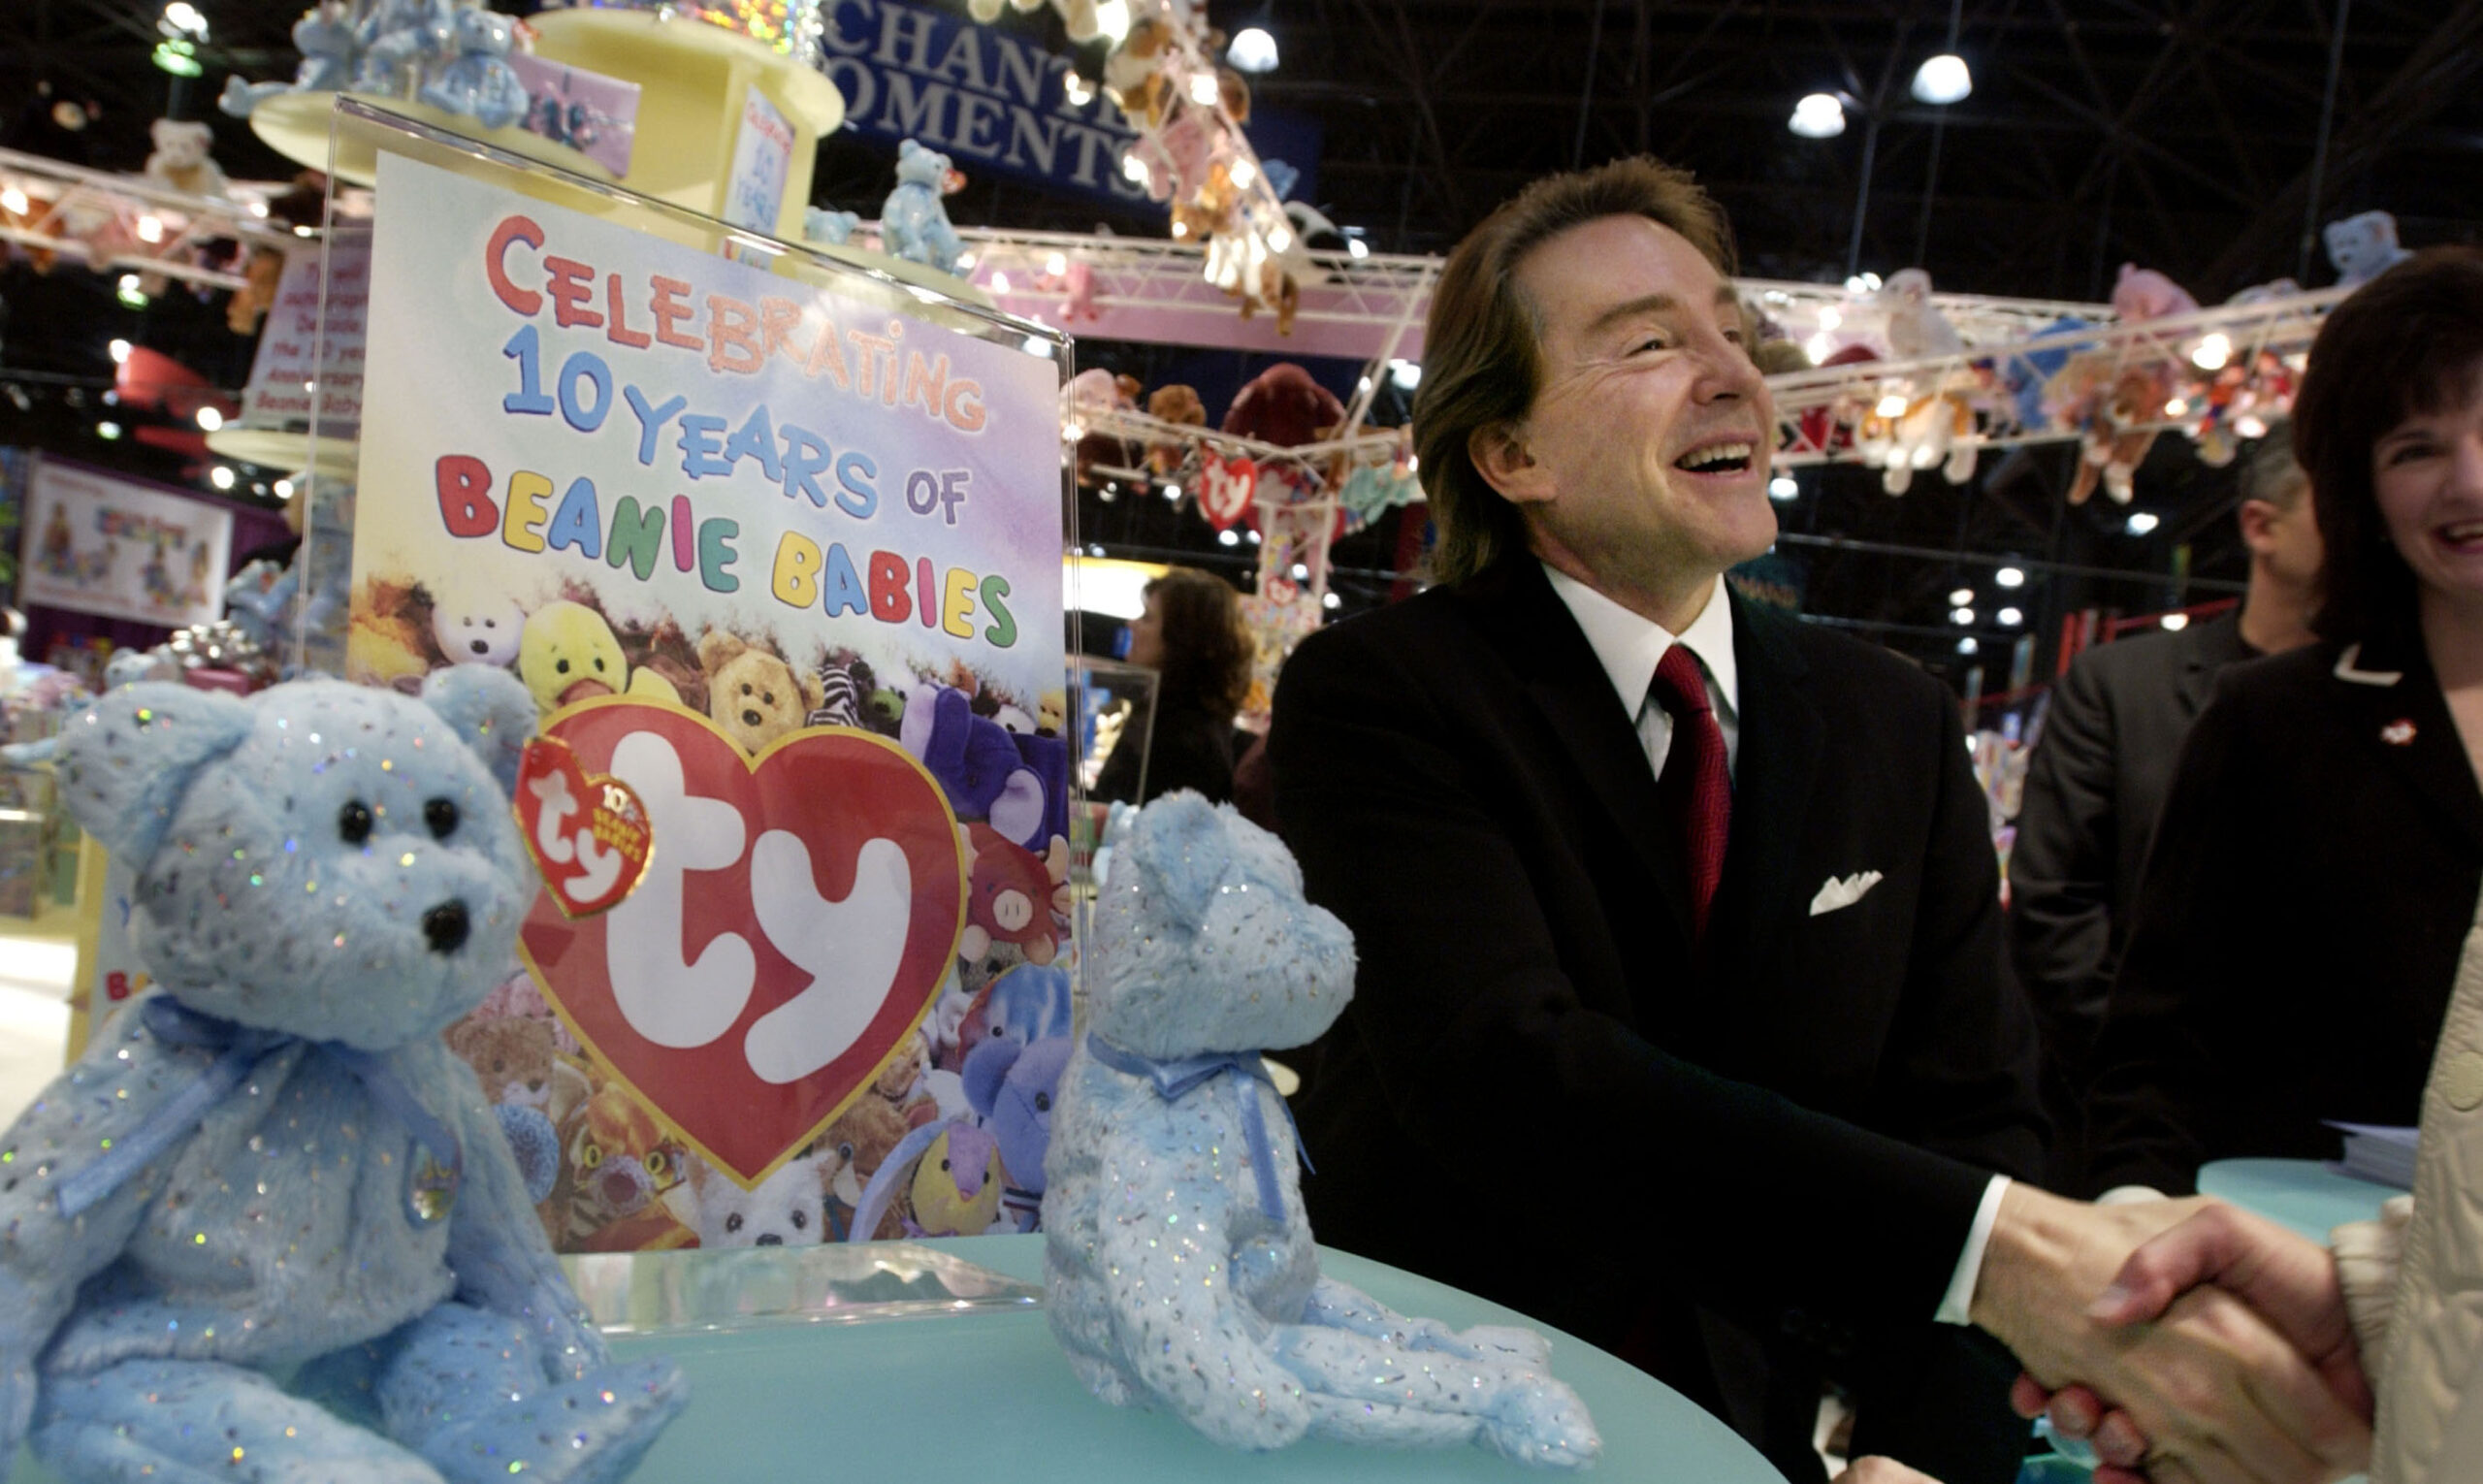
[1956, 1304]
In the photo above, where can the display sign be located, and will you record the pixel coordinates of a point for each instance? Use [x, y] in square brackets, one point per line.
[987, 96]
[284, 372]
[781, 567]
[763, 155]
[98, 544]
[594, 115]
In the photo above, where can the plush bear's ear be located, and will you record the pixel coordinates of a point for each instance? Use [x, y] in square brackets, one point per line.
[125, 763]
[1178, 844]
[718, 648]
[492, 710]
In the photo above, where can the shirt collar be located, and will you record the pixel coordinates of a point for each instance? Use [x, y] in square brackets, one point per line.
[1628, 645]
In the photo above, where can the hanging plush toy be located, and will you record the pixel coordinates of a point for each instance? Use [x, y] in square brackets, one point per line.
[1205, 953]
[272, 1165]
[2362, 247]
[1917, 329]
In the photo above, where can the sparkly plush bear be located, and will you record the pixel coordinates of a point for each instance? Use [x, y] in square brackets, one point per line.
[478, 81]
[1182, 1270]
[273, 1161]
[913, 223]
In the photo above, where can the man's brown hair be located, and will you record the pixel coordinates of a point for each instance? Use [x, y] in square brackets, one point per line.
[1481, 360]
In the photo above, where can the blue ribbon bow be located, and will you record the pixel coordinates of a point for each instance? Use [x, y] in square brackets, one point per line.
[241, 1049]
[1175, 1079]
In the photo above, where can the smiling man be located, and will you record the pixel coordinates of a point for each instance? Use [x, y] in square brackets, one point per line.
[1640, 873]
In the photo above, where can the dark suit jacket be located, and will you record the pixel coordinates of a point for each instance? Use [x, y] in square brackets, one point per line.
[1534, 1094]
[2094, 788]
[2313, 877]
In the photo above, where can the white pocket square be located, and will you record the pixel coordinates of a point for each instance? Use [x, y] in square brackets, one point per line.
[1843, 892]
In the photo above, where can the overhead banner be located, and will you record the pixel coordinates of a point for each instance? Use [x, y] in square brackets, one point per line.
[781, 565]
[98, 544]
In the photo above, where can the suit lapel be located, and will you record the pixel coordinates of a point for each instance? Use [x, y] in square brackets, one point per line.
[2408, 725]
[1782, 740]
[1567, 686]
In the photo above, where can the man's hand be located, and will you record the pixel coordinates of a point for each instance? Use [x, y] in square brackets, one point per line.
[2222, 1394]
[2290, 1282]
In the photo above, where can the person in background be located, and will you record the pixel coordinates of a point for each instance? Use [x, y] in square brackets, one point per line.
[1192, 636]
[2315, 870]
[1683, 1019]
[2101, 769]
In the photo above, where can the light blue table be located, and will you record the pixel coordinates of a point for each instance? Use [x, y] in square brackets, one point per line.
[972, 1396]
[2303, 1194]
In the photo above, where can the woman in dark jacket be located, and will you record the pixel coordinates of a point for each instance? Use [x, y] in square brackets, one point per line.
[1191, 634]
[2316, 868]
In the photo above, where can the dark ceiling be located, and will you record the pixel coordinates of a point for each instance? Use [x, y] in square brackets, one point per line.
[2181, 134]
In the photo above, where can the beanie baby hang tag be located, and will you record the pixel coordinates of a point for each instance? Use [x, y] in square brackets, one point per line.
[589, 833]
[1225, 487]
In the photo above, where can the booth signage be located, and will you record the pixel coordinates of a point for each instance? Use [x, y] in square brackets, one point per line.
[98, 544]
[776, 561]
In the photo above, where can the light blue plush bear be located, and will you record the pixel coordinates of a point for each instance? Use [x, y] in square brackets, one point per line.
[1181, 1270]
[479, 83]
[397, 38]
[913, 223]
[273, 1166]
[325, 37]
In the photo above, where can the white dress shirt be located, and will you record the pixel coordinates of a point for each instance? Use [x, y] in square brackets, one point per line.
[1630, 646]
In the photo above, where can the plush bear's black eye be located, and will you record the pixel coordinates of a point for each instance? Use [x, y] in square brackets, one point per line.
[598, 663]
[441, 816]
[801, 1219]
[353, 822]
[563, 666]
[732, 1223]
[1042, 1102]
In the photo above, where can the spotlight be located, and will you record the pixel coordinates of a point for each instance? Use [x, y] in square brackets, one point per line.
[285, 489]
[220, 476]
[1943, 80]
[2141, 521]
[1818, 116]
[210, 419]
[1331, 600]
[1961, 617]
[1407, 374]
[2011, 618]
[1227, 536]
[121, 352]
[1961, 597]
[1253, 50]
[1968, 646]
[2213, 351]
[1203, 89]
[1783, 487]
[2176, 622]
[14, 200]
[108, 431]
[2009, 577]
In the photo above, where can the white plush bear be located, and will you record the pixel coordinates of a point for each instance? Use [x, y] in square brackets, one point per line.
[787, 1210]
[1180, 1269]
[477, 630]
[181, 160]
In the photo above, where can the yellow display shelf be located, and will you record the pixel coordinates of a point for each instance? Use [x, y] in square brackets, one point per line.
[693, 79]
[275, 448]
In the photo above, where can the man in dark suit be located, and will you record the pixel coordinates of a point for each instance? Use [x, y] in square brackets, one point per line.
[1682, 1019]
[2099, 771]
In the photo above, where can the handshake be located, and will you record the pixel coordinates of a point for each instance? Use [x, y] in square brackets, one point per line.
[2191, 1342]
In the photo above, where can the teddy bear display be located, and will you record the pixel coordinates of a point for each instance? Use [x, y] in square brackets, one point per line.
[913, 223]
[1180, 406]
[785, 1210]
[180, 161]
[329, 47]
[2362, 247]
[1204, 952]
[753, 693]
[327, 876]
[477, 627]
[477, 81]
[397, 37]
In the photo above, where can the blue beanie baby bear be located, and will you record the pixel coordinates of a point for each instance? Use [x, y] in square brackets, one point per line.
[1180, 1269]
[272, 1161]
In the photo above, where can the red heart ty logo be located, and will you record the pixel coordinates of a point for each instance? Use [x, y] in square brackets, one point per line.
[797, 915]
[588, 835]
[1225, 486]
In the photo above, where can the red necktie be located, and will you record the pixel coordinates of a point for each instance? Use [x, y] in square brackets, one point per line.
[1696, 787]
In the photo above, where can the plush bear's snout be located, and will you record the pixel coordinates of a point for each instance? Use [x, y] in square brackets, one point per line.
[446, 926]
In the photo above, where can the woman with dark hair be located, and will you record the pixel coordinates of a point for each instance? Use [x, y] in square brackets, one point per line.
[1191, 636]
[2314, 875]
